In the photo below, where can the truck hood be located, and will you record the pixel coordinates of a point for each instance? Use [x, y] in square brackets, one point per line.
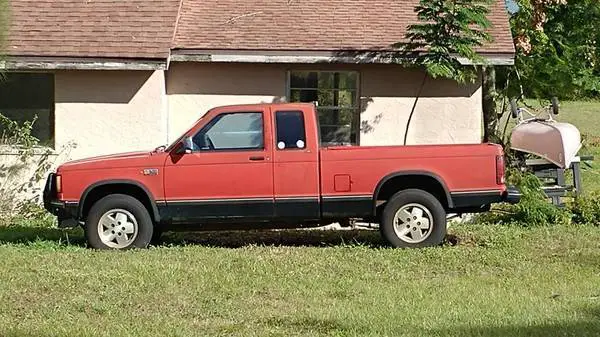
[115, 161]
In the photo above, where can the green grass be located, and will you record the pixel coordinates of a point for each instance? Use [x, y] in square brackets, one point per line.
[494, 281]
[484, 281]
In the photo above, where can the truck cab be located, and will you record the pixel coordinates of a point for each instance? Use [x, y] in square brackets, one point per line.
[263, 166]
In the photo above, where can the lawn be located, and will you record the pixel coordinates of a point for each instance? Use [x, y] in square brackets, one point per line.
[491, 281]
[484, 281]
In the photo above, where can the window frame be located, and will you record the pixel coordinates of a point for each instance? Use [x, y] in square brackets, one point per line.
[355, 125]
[276, 129]
[218, 117]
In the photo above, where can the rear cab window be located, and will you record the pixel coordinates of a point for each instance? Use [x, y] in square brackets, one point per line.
[291, 132]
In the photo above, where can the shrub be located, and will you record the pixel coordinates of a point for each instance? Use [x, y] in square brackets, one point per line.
[24, 165]
[586, 209]
[534, 209]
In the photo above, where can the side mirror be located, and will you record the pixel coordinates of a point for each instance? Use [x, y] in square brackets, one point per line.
[187, 145]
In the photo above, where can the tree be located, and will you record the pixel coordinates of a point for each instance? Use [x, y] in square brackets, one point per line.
[558, 49]
[449, 30]
[4, 17]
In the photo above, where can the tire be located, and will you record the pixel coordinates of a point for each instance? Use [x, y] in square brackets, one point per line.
[421, 209]
[123, 218]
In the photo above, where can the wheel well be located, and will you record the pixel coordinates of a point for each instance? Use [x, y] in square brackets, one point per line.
[101, 191]
[416, 181]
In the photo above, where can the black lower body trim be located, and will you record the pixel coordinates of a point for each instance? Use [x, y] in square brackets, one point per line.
[297, 208]
[480, 201]
[285, 210]
[218, 210]
[475, 199]
[347, 207]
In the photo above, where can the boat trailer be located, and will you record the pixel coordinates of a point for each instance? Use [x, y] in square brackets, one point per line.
[549, 149]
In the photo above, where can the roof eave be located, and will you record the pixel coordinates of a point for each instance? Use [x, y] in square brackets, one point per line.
[310, 57]
[40, 63]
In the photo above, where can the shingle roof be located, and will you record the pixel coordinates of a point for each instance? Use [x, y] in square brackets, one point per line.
[145, 29]
[325, 25]
[92, 28]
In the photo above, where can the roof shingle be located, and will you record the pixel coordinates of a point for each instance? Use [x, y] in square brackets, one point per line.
[145, 29]
[325, 25]
[92, 28]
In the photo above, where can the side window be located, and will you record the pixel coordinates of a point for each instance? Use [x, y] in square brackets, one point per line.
[232, 131]
[290, 130]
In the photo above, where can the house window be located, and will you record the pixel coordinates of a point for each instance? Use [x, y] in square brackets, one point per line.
[336, 94]
[29, 97]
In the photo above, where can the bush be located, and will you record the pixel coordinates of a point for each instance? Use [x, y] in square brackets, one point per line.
[20, 176]
[534, 209]
[586, 209]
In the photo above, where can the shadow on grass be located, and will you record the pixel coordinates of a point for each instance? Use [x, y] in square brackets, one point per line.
[587, 324]
[291, 238]
[19, 234]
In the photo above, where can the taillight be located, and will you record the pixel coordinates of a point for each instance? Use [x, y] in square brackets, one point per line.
[58, 184]
[500, 170]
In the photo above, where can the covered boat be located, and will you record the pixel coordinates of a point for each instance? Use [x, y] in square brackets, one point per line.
[556, 142]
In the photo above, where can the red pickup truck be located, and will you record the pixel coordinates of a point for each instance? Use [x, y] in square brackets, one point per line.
[262, 166]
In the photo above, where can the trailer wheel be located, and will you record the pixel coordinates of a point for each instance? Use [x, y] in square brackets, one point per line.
[514, 109]
[119, 222]
[413, 218]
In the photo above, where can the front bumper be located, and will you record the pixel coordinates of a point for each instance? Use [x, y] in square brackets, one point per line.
[65, 211]
[512, 195]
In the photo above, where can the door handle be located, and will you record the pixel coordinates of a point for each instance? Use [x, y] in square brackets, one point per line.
[257, 158]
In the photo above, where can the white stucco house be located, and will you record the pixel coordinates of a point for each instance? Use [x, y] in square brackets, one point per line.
[121, 75]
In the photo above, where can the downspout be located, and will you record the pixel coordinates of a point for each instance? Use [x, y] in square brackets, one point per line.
[412, 111]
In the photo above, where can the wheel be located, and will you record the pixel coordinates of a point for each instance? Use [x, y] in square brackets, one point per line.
[413, 219]
[118, 221]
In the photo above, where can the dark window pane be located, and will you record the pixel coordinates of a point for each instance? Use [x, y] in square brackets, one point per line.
[336, 126]
[326, 80]
[304, 79]
[348, 80]
[346, 99]
[232, 131]
[28, 97]
[336, 135]
[290, 130]
[337, 98]
[304, 96]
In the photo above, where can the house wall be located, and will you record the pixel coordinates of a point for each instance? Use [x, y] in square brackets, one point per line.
[445, 111]
[103, 112]
[194, 88]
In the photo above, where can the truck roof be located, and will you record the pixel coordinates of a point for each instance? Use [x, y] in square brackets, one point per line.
[263, 105]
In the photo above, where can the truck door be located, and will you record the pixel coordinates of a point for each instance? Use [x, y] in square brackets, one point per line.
[228, 175]
[296, 164]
